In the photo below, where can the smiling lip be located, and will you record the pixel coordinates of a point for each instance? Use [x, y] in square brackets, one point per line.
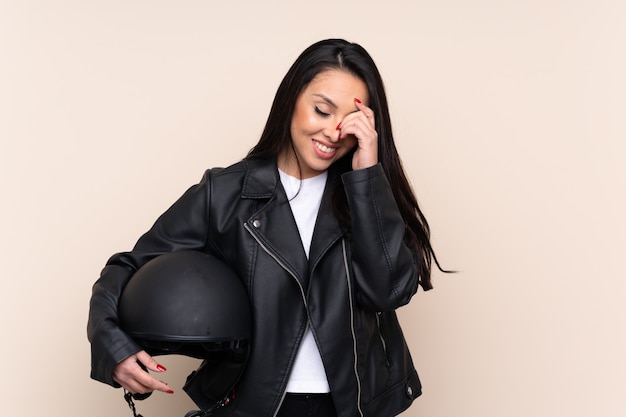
[324, 151]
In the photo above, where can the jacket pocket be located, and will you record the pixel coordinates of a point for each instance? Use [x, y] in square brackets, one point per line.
[381, 336]
[389, 382]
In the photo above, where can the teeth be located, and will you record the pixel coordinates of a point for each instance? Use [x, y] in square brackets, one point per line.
[324, 148]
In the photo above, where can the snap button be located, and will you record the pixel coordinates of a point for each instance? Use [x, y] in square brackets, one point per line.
[409, 391]
[256, 223]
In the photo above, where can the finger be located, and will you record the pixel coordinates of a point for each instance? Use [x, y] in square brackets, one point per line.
[141, 383]
[360, 129]
[130, 375]
[148, 383]
[366, 111]
[149, 362]
[134, 387]
[128, 381]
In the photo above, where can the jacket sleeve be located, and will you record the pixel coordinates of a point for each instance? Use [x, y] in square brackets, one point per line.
[182, 226]
[385, 268]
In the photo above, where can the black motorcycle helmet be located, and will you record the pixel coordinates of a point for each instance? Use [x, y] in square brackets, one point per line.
[191, 303]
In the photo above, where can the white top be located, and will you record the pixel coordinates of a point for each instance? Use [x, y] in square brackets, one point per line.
[305, 197]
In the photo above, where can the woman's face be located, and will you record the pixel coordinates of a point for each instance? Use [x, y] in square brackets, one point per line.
[320, 107]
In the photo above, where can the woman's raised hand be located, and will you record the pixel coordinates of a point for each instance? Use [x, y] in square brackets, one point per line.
[130, 375]
[362, 125]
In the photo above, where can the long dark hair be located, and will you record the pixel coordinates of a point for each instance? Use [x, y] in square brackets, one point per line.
[276, 137]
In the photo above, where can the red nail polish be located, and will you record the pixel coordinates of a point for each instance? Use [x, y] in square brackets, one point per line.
[161, 368]
[169, 391]
[357, 100]
[339, 125]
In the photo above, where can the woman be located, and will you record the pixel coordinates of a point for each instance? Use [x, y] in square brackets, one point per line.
[321, 225]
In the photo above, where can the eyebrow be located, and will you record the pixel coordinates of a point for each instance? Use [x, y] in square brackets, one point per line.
[326, 99]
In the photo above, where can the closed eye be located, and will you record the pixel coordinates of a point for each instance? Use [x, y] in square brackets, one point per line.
[321, 113]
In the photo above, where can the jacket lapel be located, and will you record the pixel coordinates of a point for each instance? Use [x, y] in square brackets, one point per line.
[273, 224]
[327, 227]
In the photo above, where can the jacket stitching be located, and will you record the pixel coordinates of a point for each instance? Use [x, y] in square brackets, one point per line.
[382, 238]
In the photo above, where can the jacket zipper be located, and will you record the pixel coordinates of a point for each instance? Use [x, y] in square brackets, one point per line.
[265, 248]
[293, 275]
[381, 335]
[352, 330]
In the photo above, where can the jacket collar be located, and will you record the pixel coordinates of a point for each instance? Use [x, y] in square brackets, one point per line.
[261, 178]
[262, 181]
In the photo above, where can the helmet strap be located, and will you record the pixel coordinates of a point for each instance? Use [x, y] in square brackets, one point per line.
[199, 413]
[209, 412]
[128, 396]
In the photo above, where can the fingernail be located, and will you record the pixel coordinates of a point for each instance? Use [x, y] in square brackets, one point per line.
[339, 125]
[161, 368]
[169, 391]
[357, 100]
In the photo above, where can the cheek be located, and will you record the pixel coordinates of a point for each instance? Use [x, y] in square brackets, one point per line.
[299, 122]
[305, 121]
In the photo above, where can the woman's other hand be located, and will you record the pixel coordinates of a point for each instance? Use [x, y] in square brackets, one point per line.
[130, 375]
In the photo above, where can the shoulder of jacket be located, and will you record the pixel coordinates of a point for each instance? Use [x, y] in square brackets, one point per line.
[237, 167]
[257, 178]
[234, 171]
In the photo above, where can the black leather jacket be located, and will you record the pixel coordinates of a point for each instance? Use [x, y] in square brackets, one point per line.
[346, 292]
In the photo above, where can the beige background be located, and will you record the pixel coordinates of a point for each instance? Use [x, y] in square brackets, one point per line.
[510, 119]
